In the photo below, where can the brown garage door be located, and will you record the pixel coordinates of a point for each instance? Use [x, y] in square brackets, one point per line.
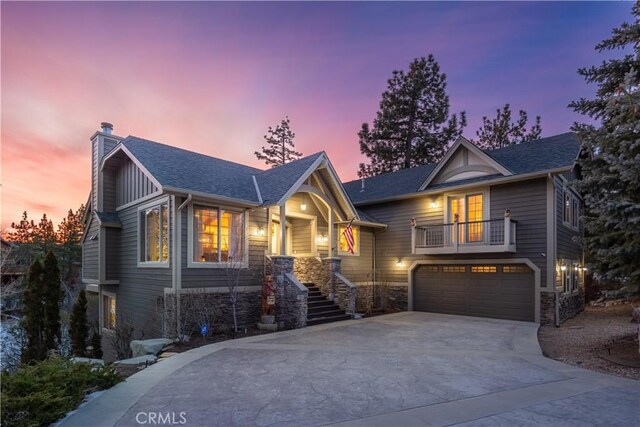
[492, 290]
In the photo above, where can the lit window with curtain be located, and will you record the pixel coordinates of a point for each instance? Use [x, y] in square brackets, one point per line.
[218, 235]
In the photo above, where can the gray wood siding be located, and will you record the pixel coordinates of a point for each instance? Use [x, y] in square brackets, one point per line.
[360, 268]
[112, 264]
[217, 277]
[140, 287]
[301, 236]
[526, 200]
[131, 183]
[394, 243]
[566, 246]
[90, 250]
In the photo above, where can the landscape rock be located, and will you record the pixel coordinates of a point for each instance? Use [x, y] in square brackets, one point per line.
[87, 360]
[153, 346]
[146, 359]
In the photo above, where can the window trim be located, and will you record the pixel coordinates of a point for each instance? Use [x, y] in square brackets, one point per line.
[154, 264]
[190, 241]
[486, 203]
[103, 319]
[347, 253]
[573, 211]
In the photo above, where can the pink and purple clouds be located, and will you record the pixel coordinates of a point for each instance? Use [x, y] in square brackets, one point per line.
[211, 77]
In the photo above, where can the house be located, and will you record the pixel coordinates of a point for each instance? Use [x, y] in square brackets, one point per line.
[480, 233]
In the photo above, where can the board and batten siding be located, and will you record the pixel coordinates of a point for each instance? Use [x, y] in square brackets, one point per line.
[526, 200]
[359, 268]
[217, 277]
[140, 288]
[567, 247]
[131, 183]
[90, 250]
[112, 246]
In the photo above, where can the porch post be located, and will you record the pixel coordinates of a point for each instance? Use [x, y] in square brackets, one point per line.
[507, 232]
[283, 230]
[330, 233]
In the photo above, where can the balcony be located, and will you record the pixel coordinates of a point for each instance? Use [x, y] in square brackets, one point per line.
[494, 235]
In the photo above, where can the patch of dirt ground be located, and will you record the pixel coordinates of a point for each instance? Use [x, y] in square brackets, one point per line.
[601, 339]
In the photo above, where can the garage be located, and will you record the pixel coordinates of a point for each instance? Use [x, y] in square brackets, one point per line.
[491, 290]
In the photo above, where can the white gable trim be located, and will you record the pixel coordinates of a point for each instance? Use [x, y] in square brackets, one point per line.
[463, 142]
[321, 161]
[133, 158]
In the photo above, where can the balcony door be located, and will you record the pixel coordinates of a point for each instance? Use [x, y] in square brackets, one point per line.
[469, 210]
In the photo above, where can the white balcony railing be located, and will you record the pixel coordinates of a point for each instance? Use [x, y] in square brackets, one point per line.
[494, 235]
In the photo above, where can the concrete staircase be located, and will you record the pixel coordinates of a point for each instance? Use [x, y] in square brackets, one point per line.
[320, 309]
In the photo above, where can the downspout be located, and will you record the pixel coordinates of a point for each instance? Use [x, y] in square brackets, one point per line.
[556, 294]
[177, 258]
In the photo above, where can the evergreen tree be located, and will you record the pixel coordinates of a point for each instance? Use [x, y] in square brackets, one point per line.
[69, 249]
[500, 132]
[96, 345]
[412, 126]
[79, 329]
[34, 318]
[280, 149]
[609, 170]
[52, 298]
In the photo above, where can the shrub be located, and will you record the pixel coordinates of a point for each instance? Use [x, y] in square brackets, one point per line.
[45, 391]
[96, 345]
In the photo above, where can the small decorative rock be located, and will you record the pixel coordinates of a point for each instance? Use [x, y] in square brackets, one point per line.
[146, 359]
[153, 346]
[87, 360]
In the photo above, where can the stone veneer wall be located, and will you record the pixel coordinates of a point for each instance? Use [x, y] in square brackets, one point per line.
[291, 295]
[345, 293]
[383, 296]
[219, 306]
[313, 270]
[570, 306]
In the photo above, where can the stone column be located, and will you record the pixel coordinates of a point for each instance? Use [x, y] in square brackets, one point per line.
[331, 265]
[280, 265]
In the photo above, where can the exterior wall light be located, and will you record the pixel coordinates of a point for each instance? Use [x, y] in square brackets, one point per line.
[434, 203]
[563, 267]
[399, 263]
[259, 231]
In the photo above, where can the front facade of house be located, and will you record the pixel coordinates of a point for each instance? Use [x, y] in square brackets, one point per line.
[485, 234]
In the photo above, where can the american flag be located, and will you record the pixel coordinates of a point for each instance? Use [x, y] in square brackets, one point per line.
[348, 236]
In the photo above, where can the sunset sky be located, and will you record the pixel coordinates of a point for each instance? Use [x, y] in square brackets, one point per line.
[211, 77]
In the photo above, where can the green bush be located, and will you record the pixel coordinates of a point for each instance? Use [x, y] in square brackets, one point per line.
[44, 392]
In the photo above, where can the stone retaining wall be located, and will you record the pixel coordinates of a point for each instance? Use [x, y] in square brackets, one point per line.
[570, 306]
[345, 293]
[390, 298]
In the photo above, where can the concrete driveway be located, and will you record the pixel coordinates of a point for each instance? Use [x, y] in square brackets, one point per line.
[405, 369]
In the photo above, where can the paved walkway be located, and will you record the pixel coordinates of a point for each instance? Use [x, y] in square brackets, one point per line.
[405, 369]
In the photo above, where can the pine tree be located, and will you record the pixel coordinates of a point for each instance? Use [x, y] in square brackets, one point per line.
[412, 126]
[68, 237]
[79, 329]
[500, 132]
[34, 318]
[96, 345]
[609, 169]
[52, 298]
[280, 149]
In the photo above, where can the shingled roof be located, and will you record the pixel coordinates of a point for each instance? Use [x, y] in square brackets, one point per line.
[181, 169]
[539, 155]
[275, 182]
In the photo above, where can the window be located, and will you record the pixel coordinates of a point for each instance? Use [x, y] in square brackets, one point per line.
[515, 269]
[484, 269]
[570, 275]
[218, 236]
[343, 248]
[154, 234]
[467, 209]
[453, 269]
[574, 214]
[566, 212]
[430, 268]
[109, 312]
